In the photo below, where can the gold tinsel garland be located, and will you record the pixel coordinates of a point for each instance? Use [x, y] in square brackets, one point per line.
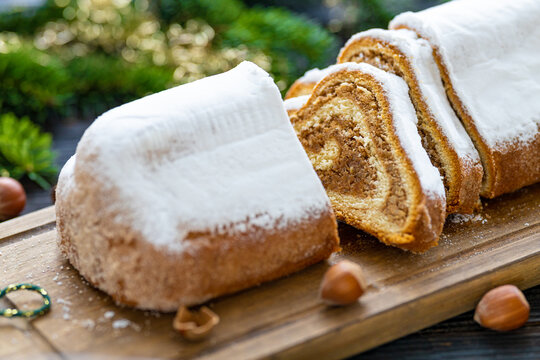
[131, 31]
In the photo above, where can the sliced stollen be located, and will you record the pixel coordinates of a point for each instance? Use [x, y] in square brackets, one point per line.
[292, 105]
[359, 130]
[305, 84]
[448, 145]
[181, 196]
[488, 53]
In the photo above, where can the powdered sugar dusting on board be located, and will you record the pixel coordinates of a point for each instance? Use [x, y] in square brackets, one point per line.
[205, 156]
[465, 218]
[491, 50]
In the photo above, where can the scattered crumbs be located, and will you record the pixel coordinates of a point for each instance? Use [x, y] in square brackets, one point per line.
[88, 324]
[56, 277]
[464, 218]
[121, 324]
[526, 224]
[29, 275]
[59, 283]
[156, 314]
[62, 301]
[108, 314]
[66, 316]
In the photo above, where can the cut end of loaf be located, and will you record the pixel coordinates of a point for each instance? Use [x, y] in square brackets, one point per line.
[300, 88]
[347, 129]
[397, 52]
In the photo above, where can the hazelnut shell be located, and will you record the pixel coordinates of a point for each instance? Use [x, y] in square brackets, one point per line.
[12, 198]
[343, 284]
[503, 308]
[195, 324]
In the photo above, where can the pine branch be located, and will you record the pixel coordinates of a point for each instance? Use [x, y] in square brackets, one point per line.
[26, 151]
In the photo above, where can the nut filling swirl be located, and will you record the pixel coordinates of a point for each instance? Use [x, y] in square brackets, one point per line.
[345, 140]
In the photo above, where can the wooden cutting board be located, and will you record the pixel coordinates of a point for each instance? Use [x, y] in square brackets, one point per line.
[281, 319]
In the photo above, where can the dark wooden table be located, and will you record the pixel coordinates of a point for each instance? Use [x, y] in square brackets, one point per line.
[457, 338]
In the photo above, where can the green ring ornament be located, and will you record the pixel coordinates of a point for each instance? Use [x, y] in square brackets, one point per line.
[9, 313]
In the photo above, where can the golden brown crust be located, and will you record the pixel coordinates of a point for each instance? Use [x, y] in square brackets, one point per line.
[516, 165]
[425, 213]
[506, 168]
[117, 260]
[299, 88]
[422, 232]
[291, 112]
[462, 176]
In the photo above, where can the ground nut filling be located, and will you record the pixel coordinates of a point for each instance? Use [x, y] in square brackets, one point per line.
[344, 139]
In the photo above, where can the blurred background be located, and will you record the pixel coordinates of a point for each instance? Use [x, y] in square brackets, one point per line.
[64, 62]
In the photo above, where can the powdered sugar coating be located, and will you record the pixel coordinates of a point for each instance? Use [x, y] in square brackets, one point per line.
[214, 155]
[419, 54]
[66, 179]
[491, 50]
[405, 120]
[295, 103]
[313, 76]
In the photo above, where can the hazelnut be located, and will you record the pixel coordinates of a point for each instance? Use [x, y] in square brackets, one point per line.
[195, 324]
[342, 284]
[503, 308]
[12, 198]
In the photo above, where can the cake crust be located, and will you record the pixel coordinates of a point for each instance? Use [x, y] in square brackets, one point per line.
[118, 260]
[181, 196]
[305, 84]
[299, 88]
[487, 54]
[507, 167]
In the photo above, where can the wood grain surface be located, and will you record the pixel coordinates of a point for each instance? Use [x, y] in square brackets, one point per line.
[284, 318]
